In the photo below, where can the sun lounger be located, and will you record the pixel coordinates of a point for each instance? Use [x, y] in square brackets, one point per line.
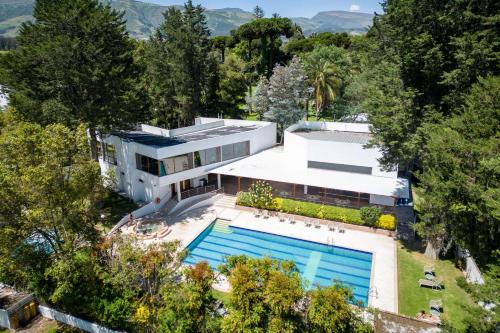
[291, 220]
[436, 306]
[434, 284]
[317, 224]
[282, 217]
[308, 223]
[331, 226]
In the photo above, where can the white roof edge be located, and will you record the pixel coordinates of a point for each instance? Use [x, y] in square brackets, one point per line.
[330, 126]
[271, 165]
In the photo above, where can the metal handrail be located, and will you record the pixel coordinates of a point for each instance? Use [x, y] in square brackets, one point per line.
[198, 190]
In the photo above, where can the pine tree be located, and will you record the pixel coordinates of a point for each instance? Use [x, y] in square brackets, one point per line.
[74, 64]
[179, 59]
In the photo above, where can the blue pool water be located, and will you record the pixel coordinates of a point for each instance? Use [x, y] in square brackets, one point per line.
[320, 264]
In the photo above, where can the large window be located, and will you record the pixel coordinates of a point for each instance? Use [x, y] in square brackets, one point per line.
[147, 164]
[235, 150]
[107, 152]
[206, 157]
[339, 167]
[179, 163]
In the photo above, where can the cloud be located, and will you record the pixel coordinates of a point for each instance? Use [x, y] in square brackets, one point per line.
[354, 8]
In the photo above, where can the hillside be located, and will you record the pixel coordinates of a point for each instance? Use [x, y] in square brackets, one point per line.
[143, 17]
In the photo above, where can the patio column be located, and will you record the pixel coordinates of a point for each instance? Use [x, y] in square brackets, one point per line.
[324, 195]
[305, 189]
[239, 184]
[294, 185]
[359, 199]
[178, 190]
[218, 181]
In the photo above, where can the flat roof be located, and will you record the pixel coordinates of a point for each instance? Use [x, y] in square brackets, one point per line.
[336, 136]
[148, 139]
[273, 165]
[159, 141]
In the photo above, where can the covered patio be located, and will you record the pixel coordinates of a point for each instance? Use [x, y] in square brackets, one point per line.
[291, 180]
[234, 184]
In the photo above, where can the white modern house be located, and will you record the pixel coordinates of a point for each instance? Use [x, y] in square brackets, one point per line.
[325, 162]
[156, 164]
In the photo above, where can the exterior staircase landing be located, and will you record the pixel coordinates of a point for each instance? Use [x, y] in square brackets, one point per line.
[227, 201]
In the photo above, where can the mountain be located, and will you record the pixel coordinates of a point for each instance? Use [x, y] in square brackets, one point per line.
[142, 18]
[335, 21]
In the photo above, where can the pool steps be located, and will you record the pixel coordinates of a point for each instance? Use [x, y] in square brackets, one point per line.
[222, 226]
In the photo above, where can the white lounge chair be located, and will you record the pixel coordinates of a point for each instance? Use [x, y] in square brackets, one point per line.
[434, 284]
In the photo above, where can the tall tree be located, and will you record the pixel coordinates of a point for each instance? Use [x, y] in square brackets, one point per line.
[264, 295]
[287, 93]
[49, 189]
[440, 52]
[232, 86]
[179, 70]
[258, 12]
[460, 179]
[260, 102]
[190, 308]
[74, 64]
[265, 34]
[328, 70]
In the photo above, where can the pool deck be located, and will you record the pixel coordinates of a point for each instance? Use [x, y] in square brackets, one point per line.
[383, 248]
[384, 270]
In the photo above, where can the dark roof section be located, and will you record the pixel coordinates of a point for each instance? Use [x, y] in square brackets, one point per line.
[216, 132]
[158, 141]
[148, 139]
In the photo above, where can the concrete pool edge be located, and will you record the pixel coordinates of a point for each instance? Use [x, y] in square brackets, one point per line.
[311, 247]
[383, 247]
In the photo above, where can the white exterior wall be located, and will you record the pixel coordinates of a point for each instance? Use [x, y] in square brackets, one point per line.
[300, 150]
[152, 186]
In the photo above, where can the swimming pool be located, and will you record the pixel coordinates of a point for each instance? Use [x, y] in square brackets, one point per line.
[318, 263]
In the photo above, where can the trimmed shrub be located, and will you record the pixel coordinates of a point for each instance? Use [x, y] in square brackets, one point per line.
[370, 215]
[311, 209]
[386, 221]
[243, 199]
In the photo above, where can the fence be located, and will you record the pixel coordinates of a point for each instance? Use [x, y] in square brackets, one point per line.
[73, 321]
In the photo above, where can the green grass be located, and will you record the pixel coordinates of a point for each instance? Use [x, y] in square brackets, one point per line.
[115, 207]
[221, 296]
[413, 298]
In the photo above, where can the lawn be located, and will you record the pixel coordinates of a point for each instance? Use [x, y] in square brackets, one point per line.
[221, 296]
[114, 208]
[413, 298]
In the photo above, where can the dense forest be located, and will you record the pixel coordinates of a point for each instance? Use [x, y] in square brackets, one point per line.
[426, 76]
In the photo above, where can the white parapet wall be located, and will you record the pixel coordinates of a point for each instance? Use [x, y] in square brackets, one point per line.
[70, 320]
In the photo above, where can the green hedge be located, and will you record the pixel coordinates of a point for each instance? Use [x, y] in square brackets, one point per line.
[311, 209]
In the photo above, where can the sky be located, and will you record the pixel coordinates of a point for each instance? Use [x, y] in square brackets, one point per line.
[286, 8]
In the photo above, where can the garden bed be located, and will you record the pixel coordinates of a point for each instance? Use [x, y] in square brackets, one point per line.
[315, 210]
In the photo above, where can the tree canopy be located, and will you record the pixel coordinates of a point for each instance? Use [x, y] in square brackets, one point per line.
[74, 64]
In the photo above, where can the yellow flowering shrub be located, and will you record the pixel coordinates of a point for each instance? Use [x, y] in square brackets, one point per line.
[386, 221]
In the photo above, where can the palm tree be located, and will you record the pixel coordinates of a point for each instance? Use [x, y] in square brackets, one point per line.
[326, 83]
